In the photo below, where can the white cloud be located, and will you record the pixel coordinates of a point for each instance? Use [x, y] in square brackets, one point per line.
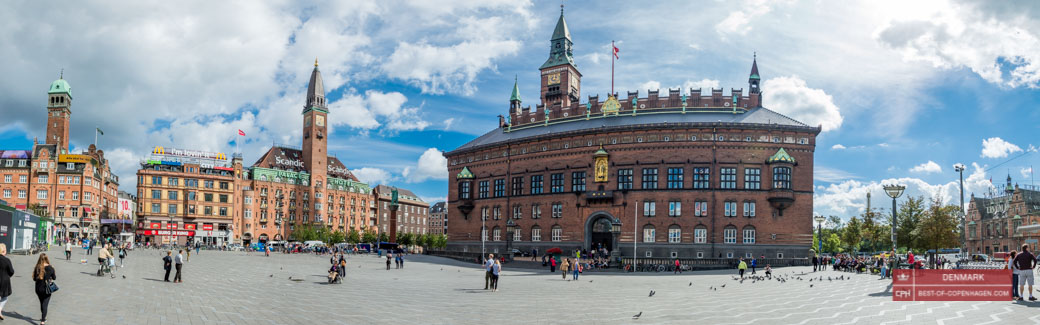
[883, 145]
[831, 175]
[790, 96]
[988, 38]
[431, 165]
[849, 197]
[375, 109]
[838, 147]
[927, 168]
[996, 147]
[739, 22]
[705, 85]
[649, 85]
[373, 176]
[1027, 172]
[448, 122]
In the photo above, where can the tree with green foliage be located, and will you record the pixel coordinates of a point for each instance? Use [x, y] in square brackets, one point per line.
[405, 239]
[939, 227]
[369, 237]
[852, 235]
[353, 236]
[336, 237]
[832, 243]
[907, 219]
[383, 237]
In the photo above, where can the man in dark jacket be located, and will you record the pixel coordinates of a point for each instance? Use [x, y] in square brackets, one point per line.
[1024, 262]
[167, 265]
[815, 262]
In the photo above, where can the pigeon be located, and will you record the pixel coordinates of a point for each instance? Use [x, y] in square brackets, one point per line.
[636, 316]
[723, 285]
[290, 277]
[651, 293]
[810, 286]
[691, 284]
[590, 281]
[711, 288]
[271, 276]
[124, 276]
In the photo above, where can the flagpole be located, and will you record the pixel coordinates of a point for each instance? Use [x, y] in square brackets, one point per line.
[95, 137]
[611, 67]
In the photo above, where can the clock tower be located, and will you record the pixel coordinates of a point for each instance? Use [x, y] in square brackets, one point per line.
[561, 81]
[315, 127]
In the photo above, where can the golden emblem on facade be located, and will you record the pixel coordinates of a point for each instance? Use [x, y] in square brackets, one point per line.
[602, 167]
[611, 106]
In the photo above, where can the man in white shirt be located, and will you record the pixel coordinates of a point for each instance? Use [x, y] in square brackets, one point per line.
[489, 265]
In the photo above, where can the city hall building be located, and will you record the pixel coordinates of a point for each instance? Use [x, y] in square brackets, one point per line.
[207, 197]
[994, 219]
[680, 174]
[78, 190]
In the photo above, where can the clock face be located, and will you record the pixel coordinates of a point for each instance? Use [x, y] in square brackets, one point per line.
[554, 78]
[319, 120]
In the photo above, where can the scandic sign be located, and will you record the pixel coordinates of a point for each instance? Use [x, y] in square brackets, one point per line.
[166, 232]
[951, 285]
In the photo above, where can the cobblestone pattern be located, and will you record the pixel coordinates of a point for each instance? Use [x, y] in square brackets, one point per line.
[241, 288]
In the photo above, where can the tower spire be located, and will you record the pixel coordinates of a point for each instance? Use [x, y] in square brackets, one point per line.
[315, 62]
[753, 78]
[315, 90]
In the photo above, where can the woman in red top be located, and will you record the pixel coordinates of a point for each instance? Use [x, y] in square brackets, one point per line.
[677, 270]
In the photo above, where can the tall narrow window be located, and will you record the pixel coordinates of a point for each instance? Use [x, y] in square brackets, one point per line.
[578, 182]
[649, 178]
[728, 178]
[557, 233]
[557, 210]
[675, 177]
[536, 211]
[730, 235]
[701, 178]
[649, 234]
[749, 235]
[749, 209]
[482, 190]
[518, 186]
[500, 187]
[674, 208]
[556, 183]
[464, 190]
[752, 178]
[536, 184]
[624, 179]
[700, 235]
[649, 208]
[782, 177]
[674, 234]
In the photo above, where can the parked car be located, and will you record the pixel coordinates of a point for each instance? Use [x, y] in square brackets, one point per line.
[518, 252]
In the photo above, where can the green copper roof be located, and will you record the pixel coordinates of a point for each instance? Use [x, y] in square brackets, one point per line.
[561, 29]
[780, 156]
[601, 152]
[1017, 217]
[465, 174]
[516, 92]
[60, 86]
[755, 76]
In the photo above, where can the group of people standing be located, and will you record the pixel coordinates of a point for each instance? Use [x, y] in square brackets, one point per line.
[492, 269]
[43, 277]
[170, 262]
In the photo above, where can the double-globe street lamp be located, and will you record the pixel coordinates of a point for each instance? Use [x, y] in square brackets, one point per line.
[894, 191]
[819, 233]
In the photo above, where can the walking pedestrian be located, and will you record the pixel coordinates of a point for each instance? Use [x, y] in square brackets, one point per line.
[68, 250]
[6, 271]
[677, 267]
[754, 263]
[489, 265]
[122, 255]
[167, 265]
[566, 267]
[1014, 275]
[90, 247]
[741, 268]
[815, 262]
[43, 274]
[576, 269]
[197, 246]
[496, 269]
[388, 256]
[178, 263]
[401, 256]
[552, 264]
[1025, 262]
[267, 251]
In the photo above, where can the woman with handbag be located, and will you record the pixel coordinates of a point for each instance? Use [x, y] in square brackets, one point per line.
[6, 272]
[43, 275]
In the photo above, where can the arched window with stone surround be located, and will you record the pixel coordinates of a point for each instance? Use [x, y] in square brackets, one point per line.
[649, 233]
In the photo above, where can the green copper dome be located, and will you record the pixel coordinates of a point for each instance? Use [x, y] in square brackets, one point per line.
[465, 174]
[60, 86]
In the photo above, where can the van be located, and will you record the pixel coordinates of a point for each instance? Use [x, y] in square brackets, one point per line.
[313, 243]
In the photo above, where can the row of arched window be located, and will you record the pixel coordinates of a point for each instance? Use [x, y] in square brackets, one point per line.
[674, 235]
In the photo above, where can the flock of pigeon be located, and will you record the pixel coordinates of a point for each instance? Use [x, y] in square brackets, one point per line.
[781, 278]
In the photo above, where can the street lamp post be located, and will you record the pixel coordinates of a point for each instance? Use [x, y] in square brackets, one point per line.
[819, 233]
[510, 230]
[894, 191]
[964, 226]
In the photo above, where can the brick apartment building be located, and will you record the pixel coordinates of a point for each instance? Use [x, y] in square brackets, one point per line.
[685, 175]
[993, 220]
[413, 213]
[77, 190]
[438, 218]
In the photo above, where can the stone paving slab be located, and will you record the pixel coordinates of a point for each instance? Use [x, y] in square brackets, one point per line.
[248, 288]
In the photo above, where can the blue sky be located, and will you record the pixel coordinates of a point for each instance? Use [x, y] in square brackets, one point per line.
[903, 91]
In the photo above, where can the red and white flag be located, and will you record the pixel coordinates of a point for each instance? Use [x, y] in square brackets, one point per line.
[615, 50]
[241, 133]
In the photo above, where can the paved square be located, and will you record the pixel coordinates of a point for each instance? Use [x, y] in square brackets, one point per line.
[241, 288]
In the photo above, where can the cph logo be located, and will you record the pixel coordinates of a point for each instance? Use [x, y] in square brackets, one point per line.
[903, 277]
[903, 294]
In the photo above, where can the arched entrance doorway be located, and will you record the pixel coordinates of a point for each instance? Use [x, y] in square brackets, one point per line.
[263, 238]
[597, 232]
[247, 239]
